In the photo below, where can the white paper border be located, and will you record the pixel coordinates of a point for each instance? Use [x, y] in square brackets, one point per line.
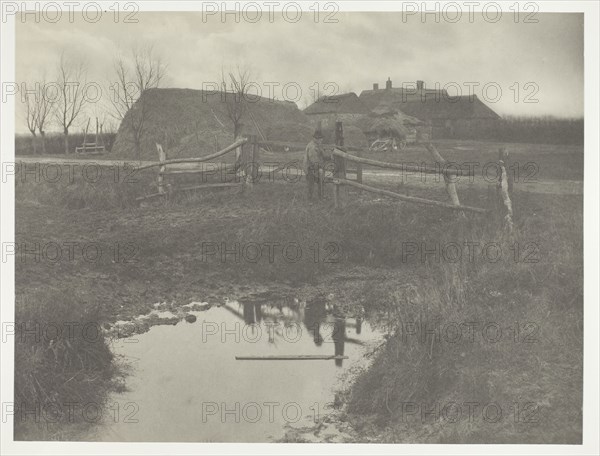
[591, 435]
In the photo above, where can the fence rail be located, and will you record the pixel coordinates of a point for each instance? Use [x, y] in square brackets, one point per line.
[402, 166]
[501, 196]
[341, 158]
[163, 162]
[410, 199]
[299, 145]
[208, 157]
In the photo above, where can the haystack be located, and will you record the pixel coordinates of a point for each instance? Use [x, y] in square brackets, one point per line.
[386, 121]
[192, 123]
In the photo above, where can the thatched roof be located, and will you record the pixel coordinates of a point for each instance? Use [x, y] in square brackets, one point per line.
[385, 119]
[346, 103]
[463, 107]
[373, 98]
[386, 109]
[430, 104]
[192, 123]
[383, 125]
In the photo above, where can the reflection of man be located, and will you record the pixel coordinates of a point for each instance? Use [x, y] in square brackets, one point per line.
[313, 164]
[339, 339]
[314, 315]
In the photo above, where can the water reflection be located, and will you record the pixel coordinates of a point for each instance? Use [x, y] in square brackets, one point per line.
[181, 373]
[314, 315]
[339, 339]
[323, 320]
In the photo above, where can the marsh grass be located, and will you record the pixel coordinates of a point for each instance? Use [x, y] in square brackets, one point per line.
[542, 298]
[370, 238]
[63, 364]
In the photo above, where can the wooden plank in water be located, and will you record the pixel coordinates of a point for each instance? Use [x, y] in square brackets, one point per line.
[288, 357]
[209, 186]
[153, 195]
[212, 172]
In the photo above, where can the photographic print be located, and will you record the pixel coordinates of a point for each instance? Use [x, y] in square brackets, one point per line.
[299, 223]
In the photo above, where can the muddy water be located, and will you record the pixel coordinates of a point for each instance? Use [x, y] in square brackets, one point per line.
[186, 385]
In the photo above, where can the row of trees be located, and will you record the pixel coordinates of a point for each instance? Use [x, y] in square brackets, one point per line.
[62, 101]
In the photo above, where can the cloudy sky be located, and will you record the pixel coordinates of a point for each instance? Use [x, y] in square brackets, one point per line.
[352, 54]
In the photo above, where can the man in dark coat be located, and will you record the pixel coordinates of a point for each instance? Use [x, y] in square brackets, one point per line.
[313, 164]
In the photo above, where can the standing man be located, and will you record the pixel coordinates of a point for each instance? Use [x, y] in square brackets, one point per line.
[313, 164]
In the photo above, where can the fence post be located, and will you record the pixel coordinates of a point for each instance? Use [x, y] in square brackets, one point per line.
[492, 199]
[450, 186]
[162, 157]
[85, 137]
[253, 156]
[339, 163]
[504, 156]
[505, 187]
[359, 168]
[336, 174]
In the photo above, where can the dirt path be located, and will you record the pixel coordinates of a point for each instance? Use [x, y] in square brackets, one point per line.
[545, 186]
[548, 186]
[81, 161]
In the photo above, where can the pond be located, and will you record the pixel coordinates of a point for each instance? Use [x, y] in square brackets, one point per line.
[185, 383]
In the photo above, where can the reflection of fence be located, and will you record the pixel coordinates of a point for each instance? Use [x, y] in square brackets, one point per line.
[342, 158]
[243, 163]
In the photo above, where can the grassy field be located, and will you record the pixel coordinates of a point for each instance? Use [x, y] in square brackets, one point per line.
[533, 161]
[55, 145]
[366, 257]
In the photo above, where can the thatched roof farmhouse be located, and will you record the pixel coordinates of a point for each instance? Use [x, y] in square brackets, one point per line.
[346, 107]
[447, 115]
[386, 121]
[194, 123]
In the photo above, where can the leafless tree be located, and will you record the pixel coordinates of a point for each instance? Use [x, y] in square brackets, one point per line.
[235, 87]
[142, 71]
[30, 102]
[38, 109]
[45, 107]
[71, 81]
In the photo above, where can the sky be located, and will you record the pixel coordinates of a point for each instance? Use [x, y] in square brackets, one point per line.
[538, 67]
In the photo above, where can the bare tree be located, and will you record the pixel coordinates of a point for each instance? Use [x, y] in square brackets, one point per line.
[45, 107]
[235, 87]
[141, 72]
[30, 102]
[71, 82]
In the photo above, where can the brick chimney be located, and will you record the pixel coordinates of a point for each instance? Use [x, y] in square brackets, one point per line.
[375, 86]
[420, 85]
[388, 83]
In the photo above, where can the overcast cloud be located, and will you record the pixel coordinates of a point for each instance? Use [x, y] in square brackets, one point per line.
[362, 48]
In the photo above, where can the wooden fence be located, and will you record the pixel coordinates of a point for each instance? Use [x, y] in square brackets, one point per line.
[345, 164]
[500, 195]
[166, 170]
[92, 148]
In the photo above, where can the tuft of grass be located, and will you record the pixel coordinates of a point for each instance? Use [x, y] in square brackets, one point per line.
[536, 302]
[371, 237]
[63, 364]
